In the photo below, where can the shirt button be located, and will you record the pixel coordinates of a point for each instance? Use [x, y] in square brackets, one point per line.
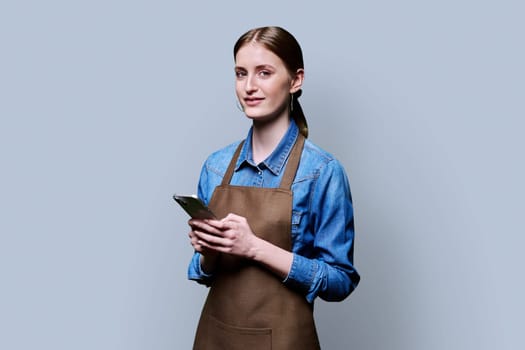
[260, 172]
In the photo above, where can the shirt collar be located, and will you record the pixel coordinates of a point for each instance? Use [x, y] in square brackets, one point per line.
[276, 160]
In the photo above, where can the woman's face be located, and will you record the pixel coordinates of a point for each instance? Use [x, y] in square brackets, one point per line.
[263, 84]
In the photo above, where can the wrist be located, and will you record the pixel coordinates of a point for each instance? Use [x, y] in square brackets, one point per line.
[274, 258]
[255, 252]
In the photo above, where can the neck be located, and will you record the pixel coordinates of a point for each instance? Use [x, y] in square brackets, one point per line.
[266, 137]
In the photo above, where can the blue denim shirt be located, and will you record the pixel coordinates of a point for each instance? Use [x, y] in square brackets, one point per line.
[322, 216]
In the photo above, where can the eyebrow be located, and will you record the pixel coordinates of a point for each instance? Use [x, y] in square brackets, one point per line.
[261, 66]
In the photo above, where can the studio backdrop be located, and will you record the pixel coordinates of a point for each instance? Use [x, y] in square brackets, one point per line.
[109, 107]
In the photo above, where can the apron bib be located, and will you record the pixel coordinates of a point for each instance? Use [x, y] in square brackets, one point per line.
[248, 307]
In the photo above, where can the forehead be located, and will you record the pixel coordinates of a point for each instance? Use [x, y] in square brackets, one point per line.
[254, 54]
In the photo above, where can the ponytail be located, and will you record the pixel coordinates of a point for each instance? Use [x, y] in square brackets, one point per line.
[297, 114]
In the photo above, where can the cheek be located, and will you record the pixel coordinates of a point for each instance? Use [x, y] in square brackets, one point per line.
[280, 92]
[238, 89]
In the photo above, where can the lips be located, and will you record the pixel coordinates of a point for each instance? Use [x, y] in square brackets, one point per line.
[253, 101]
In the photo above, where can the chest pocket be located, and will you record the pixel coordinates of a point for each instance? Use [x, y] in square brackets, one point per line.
[296, 221]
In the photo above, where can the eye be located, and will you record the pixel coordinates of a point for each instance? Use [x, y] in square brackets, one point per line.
[265, 73]
[240, 74]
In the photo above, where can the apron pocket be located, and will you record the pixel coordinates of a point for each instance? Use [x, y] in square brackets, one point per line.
[225, 336]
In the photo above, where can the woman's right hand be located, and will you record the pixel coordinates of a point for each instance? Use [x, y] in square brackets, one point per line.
[208, 256]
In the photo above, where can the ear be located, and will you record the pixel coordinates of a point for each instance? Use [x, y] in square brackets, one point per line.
[297, 81]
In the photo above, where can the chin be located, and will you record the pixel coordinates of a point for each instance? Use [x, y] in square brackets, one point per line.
[263, 116]
[254, 115]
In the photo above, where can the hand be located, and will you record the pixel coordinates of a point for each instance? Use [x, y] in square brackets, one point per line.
[208, 258]
[231, 235]
[198, 229]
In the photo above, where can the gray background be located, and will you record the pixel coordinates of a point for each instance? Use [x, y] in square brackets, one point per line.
[109, 107]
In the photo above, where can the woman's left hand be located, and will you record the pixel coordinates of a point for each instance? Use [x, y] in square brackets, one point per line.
[233, 236]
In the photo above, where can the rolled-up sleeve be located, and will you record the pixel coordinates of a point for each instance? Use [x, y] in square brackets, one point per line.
[329, 271]
[195, 271]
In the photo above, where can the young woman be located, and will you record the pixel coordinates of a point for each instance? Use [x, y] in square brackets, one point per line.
[286, 231]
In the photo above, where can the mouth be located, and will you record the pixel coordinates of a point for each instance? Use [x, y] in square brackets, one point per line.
[253, 101]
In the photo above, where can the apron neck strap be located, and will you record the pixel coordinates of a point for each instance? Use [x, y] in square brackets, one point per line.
[229, 172]
[293, 163]
[290, 170]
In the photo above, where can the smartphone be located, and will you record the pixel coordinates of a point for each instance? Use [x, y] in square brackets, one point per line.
[194, 207]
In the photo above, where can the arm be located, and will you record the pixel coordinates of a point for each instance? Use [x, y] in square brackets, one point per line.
[327, 271]
[203, 261]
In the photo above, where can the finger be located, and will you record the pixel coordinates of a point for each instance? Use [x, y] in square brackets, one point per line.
[196, 245]
[210, 240]
[193, 235]
[195, 223]
[229, 226]
[206, 247]
[237, 219]
[203, 226]
[217, 224]
[231, 217]
[216, 248]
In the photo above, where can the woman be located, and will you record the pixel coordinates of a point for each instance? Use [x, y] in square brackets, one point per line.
[286, 233]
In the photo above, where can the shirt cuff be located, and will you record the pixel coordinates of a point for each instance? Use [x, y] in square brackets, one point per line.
[195, 271]
[301, 276]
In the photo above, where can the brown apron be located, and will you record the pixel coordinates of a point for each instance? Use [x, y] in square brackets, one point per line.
[248, 307]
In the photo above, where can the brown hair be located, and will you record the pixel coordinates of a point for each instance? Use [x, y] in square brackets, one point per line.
[285, 46]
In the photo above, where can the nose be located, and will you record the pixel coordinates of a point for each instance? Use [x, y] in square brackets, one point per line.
[250, 85]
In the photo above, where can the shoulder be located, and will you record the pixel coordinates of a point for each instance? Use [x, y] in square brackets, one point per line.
[218, 161]
[315, 162]
[313, 151]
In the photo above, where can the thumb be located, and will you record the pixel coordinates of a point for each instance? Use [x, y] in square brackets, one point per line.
[231, 217]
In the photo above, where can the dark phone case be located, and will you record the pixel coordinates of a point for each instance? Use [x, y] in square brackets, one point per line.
[194, 207]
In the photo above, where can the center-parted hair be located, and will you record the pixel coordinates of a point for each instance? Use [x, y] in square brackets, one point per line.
[285, 46]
